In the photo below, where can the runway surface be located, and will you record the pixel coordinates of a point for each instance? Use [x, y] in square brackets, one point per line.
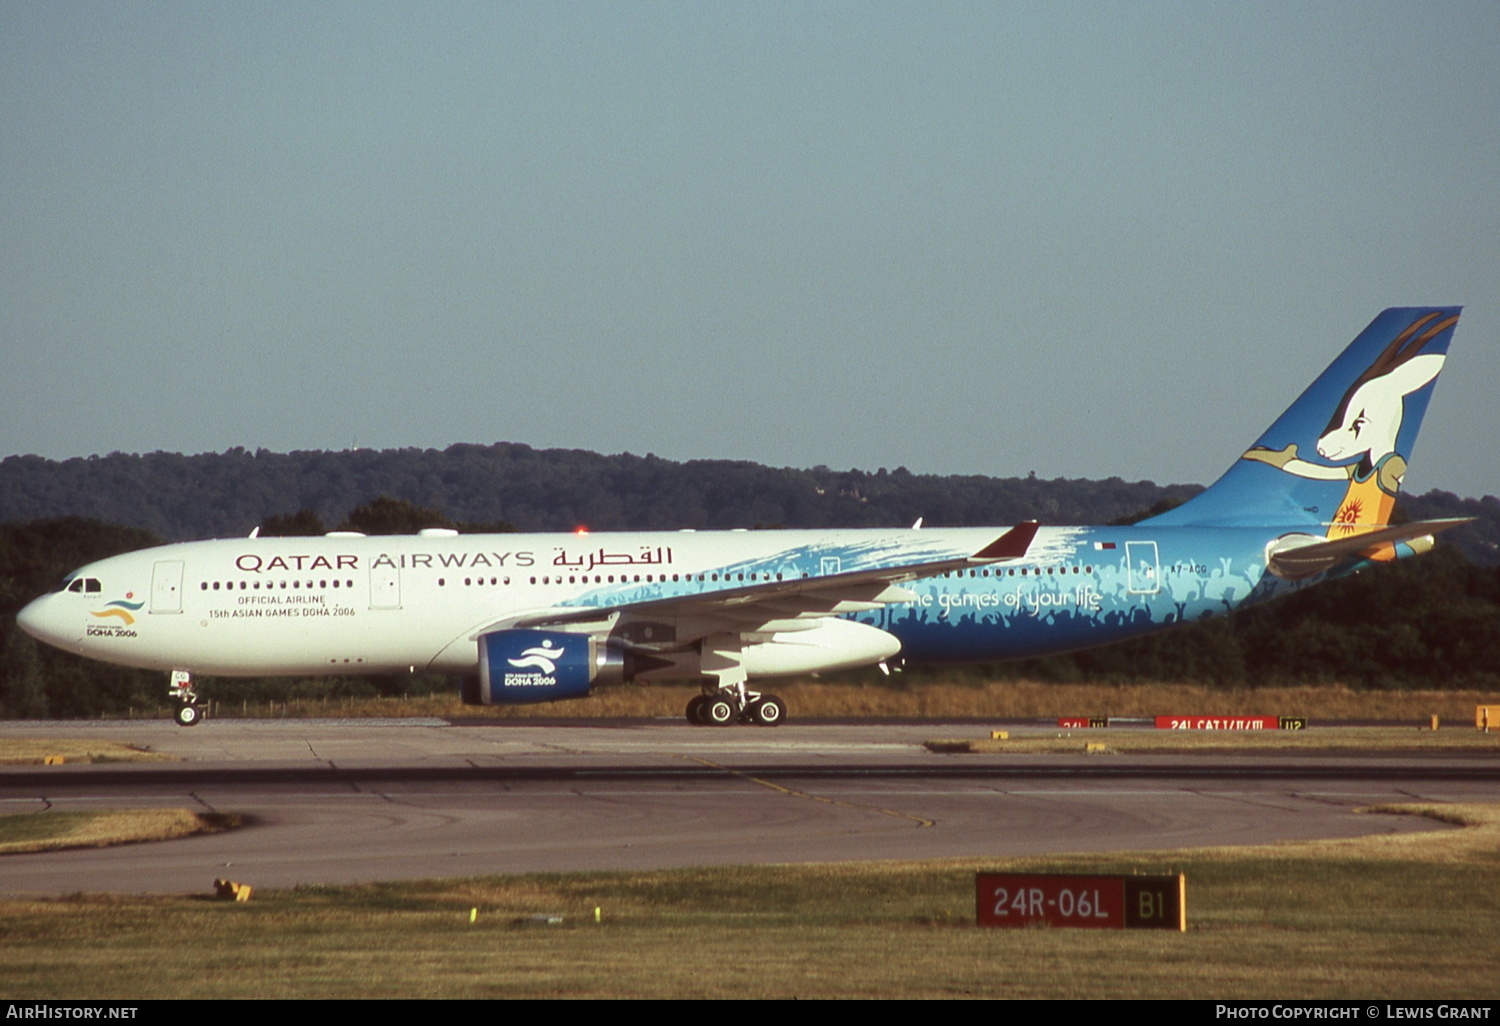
[341, 801]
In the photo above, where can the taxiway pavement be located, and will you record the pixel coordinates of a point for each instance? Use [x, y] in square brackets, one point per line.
[344, 801]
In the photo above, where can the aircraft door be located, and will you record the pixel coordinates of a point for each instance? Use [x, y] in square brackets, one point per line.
[166, 586]
[385, 588]
[1145, 576]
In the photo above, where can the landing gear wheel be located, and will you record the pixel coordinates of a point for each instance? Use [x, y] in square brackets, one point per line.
[187, 714]
[719, 712]
[767, 711]
[695, 710]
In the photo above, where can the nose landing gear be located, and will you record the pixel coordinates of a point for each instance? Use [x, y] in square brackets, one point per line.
[188, 712]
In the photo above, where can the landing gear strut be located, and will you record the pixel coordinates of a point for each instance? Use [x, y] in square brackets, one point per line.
[188, 712]
[726, 700]
[724, 707]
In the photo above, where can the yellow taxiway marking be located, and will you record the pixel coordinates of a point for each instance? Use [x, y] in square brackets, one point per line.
[918, 820]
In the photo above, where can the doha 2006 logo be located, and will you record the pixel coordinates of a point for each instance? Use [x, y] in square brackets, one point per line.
[541, 657]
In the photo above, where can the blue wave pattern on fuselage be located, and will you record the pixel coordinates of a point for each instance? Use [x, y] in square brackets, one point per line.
[1076, 588]
[1093, 595]
[834, 556]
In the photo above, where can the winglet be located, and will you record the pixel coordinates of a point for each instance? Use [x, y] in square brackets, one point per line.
[1010, 545]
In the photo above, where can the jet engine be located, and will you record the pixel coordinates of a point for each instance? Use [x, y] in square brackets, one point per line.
[517, 667]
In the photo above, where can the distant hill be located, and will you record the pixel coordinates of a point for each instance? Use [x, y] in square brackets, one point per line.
[223, 494]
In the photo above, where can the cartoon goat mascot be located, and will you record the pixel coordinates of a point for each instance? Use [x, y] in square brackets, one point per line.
[1363, 428]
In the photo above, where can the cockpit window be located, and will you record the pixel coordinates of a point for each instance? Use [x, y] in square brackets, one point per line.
[75, 585]
[82, 585]
[91, 585]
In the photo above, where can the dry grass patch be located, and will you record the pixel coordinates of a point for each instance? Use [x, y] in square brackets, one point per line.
[1147, 742]
[907, 698]
[34, 751]
[1415, 916]
[48, 831]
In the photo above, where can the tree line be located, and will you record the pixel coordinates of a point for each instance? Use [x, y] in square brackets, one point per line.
[217, 495]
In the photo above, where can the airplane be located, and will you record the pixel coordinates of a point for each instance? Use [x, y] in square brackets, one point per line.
[524, 618]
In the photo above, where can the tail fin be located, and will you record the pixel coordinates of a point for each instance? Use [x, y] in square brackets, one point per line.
[1336, 458]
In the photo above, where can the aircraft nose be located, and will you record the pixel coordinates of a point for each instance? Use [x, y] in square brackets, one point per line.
[33, 619]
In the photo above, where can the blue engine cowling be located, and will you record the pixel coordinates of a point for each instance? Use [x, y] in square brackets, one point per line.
[519, 667]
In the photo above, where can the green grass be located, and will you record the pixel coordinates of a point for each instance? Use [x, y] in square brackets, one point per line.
[1401, 916]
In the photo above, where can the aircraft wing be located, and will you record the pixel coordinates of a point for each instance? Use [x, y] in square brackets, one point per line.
[788, 605]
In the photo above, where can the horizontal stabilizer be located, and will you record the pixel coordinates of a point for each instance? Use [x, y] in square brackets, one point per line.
[1296, 556]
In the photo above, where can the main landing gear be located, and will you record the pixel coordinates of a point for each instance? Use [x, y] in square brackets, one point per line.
[728, 706]
[726, 699]
[188, 713]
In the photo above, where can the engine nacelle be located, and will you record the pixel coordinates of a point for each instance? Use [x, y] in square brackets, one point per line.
[831, 645]
[519, 667]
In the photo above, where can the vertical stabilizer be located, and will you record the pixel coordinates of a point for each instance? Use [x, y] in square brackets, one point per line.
[1337, 457]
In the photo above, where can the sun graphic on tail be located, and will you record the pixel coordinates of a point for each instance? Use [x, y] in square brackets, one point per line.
[1347, 518]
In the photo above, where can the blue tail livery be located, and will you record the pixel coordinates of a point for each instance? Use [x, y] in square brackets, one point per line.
[530, 618]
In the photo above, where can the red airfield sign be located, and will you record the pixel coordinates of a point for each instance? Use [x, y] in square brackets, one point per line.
[1086, 902]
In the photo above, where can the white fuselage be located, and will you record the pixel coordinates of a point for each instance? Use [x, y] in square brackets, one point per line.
[365, 605]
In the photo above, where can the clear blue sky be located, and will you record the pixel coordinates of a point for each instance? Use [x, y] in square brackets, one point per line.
[1077, 239]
